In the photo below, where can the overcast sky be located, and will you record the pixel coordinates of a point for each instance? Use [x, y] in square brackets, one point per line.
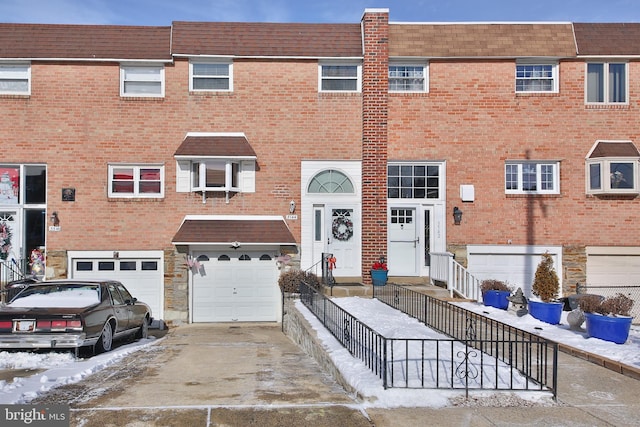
[163, 12]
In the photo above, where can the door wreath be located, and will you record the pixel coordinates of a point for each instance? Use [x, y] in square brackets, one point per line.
[342, 228]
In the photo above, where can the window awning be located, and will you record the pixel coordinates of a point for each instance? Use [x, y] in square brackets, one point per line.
[613, 149]
[210, 144]
[245, 230]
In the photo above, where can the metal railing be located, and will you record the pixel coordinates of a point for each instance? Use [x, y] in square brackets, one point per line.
[11, 270]
[497, 357]
[458, 279]
[326, 270]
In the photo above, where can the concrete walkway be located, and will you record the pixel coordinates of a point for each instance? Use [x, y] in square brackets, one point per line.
[254, 375]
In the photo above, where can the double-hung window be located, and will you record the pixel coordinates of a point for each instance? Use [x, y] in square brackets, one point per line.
[407, 77]
[607, 83]
[136, 181]
[536, 77]
[531, 177]
[210, 76]
[340, 77]
[15, 79]
[142, 80]
[612, 168]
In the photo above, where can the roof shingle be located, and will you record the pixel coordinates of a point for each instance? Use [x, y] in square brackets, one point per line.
[244, 231]
[608, 38]
[215, 146]
[267, 39]
[481, 40]
[45, 41]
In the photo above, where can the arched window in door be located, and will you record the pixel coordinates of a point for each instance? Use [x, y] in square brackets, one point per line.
[331, 181]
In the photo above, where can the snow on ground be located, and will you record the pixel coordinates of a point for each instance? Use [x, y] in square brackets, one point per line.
[391, 323]
[60, 368]
[627, 353]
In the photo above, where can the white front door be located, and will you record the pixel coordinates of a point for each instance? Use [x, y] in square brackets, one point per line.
[404, 242]
[342, 225]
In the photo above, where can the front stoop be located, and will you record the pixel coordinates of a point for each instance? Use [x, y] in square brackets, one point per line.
[348, 290]
[360, 290]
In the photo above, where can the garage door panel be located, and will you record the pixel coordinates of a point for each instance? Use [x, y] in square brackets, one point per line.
[514, 264]
[141, 276]
[236, 290]
[613, 270]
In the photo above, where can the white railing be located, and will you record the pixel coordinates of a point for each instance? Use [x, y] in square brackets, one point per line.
[445, 269]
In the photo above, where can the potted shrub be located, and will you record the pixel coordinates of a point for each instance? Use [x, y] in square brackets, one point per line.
[379, 273]
[495, 293]
[546, 286]
[609, 319]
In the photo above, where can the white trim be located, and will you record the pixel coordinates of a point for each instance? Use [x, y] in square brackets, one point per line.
[132, 65]
[555, 75]
[219, 61]
[341, 63]
[605, 84]
[6, 65]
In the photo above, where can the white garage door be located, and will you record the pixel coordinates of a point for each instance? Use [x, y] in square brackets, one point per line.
[514, 264]
[236, 286]
[607, 266]
[141, 276]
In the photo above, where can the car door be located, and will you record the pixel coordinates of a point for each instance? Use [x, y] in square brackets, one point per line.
[120, 307]
[136, 312]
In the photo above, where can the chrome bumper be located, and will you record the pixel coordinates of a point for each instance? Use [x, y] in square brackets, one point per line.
[30, 341]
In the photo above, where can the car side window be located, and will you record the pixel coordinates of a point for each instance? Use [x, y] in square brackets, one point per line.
[125, 293]
[116, 298]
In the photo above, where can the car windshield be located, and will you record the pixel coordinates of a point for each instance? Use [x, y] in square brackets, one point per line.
[59, 295]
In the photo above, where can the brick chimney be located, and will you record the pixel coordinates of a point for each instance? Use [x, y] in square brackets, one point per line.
[375, 85]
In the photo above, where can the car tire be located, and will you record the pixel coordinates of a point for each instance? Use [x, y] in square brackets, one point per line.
[105, 342]
[143, 331]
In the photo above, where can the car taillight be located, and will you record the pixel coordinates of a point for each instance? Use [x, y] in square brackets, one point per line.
[43, 324]
[58, 324]
[6, 324]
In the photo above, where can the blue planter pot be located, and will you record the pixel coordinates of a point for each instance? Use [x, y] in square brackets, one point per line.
[608, 328]
[548, 312]
[379, 277]
[497, 299]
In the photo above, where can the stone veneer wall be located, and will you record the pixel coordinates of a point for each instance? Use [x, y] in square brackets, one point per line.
[176, 286]
[574, 266]
[298, 329]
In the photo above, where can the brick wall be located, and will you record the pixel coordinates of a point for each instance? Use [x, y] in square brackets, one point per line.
[374, 138]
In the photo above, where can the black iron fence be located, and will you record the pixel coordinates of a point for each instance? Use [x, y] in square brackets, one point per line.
[481, 354]
[533, 356]
[11, 270]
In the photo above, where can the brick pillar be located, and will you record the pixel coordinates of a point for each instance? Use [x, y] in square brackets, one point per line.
[375, 85]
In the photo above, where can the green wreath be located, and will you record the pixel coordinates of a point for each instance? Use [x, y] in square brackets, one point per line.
[342, 228]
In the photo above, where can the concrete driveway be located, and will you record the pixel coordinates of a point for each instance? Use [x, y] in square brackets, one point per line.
[254, 375]
[212, 375]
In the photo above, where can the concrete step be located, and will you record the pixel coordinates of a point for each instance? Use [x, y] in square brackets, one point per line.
[361, 290]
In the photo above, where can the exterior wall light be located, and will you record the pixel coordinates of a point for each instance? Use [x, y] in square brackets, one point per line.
[457, 216]
[292, 206]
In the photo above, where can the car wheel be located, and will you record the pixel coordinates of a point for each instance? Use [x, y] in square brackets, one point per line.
[106, 339]
[143, 331]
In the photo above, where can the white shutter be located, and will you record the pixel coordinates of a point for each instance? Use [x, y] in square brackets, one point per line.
[248, 176]
[183, 176]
